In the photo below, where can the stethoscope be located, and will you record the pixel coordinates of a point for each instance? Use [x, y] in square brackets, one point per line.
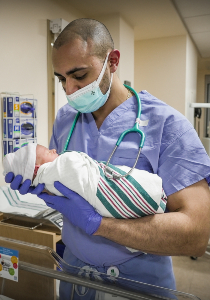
[108, 171]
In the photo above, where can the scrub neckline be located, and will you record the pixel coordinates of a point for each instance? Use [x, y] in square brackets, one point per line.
[112, 117]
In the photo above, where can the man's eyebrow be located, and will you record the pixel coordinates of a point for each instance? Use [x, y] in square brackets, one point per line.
[70, 72]
[57, 74]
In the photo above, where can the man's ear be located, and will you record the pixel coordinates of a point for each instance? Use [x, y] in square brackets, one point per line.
[36, 169]
[114, 58]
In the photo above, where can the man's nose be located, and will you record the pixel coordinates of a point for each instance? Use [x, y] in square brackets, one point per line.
[70, 86]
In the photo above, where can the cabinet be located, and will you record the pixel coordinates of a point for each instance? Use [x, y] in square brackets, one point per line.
[30, 286]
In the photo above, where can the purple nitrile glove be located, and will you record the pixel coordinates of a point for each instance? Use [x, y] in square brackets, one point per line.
[75, 208]
[25, 187]
[36, 190]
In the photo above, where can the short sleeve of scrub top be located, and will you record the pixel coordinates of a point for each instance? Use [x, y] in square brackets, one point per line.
[183, 161]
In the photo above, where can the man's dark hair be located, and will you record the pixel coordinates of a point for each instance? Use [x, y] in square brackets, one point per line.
[88, 30]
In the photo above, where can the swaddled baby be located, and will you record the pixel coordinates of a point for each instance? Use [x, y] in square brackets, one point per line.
[133, 196]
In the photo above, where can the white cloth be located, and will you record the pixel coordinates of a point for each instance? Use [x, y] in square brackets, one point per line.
[14, 203]
[75, 170]
[22, 162]
[80, 173]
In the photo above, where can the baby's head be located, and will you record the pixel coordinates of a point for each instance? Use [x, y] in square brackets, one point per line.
[27, 160]
[43, 155]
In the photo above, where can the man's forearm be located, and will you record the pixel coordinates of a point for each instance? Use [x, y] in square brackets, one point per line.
[184, 230]
[162, 234]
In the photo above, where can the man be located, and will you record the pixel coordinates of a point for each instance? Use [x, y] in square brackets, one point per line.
[83, 53]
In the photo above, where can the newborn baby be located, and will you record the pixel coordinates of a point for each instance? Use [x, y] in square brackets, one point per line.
[133, 196]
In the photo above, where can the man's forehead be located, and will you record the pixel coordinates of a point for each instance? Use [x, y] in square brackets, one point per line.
[72, 49]
[73, 56]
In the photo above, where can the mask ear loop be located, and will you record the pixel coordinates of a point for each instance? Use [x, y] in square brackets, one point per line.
[90, 86]
[103, 70]
[110, 86]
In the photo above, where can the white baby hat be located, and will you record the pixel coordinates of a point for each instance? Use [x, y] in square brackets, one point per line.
[22, 162]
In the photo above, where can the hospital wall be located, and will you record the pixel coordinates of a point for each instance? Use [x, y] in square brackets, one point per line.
[203, 70]
[191, 78]
[123, 36]
[161, 69]
[126, 71]
[23, 52]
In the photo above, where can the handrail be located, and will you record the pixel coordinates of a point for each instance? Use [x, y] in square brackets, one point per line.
[119, 286]
[84, 282]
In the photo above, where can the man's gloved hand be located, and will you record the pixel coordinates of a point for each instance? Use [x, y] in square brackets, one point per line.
[25, 187]
[75, 208]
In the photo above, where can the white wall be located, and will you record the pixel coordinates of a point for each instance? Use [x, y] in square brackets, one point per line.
[126, 71]
[160, 68]
[204, 69]
[112, 22]
[23, 52]
[123, 36]
[191, 78]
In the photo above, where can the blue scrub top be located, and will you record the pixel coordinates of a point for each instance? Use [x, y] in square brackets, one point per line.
[172, 150]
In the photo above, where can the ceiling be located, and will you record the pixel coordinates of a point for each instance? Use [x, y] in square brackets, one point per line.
[157, 18]
[195, 15]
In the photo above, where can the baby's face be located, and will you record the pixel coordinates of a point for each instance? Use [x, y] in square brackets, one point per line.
[44, 155]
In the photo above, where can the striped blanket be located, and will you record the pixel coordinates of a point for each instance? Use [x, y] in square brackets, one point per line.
[126, 198]
[133, 196]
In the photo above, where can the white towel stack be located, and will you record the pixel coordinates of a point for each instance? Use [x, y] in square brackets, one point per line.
[14, 203]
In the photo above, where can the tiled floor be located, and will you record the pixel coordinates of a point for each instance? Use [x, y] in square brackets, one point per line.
[193, 276]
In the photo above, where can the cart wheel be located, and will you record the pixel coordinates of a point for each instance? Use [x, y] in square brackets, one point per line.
[193, 257]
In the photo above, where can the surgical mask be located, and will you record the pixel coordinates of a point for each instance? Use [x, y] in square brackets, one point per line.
[90, 98]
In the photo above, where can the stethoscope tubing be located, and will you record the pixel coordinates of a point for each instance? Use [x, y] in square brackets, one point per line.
[107, 171]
